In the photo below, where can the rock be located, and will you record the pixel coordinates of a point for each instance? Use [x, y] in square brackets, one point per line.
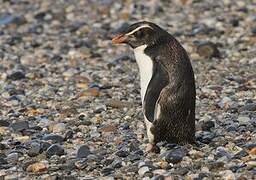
[54, 138]
[225, 103]
[12, 158]
[57, 128]
[234, 22]
[205, 137]
[250, 146]
[37, 167]
[249, 107]
[107, 171]
[83, 151]
[208, 50]
[11, 19]
[2, 159]
[253, 151]
[55, 149]
[108, 128]
[207, 125]
[81, 164]
[122, 153]
[159, 171]
[117, 163]
[134, 157]
[118, 104]
[240, 154]
[20, 126]
[69, 135]
[34, 149]
[4, 123]
[176, 155]
[196, 154]
[243, 120]
[100, 108]
[251, 164]
[143, 170]
[221, 151]
[16, 75]
[45, 145]
[2, 146]
[160, 177]
[227, 174]
[253, 30]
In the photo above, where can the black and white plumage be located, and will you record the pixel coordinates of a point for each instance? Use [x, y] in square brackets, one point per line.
[167, 83]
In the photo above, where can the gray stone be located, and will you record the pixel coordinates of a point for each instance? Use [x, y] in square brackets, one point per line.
[83, 151]
[208, 50]
[4, 123]
[143, 170]
[34, 149]
[55, 149]
[243, 120]
[176, 155]
[207, 125]
[54, 138]
[20, 126]
[16, 75]
[12, 158]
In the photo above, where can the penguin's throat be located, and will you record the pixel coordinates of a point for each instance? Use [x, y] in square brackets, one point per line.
[145, 64]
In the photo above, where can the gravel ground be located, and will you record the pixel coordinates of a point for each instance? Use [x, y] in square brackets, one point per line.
[70, 104]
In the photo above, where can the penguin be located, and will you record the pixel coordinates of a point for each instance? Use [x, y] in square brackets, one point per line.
[167, 83]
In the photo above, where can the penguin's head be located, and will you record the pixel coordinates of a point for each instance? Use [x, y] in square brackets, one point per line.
[139, 34]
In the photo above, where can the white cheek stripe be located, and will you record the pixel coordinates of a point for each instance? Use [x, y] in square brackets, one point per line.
[138, 28]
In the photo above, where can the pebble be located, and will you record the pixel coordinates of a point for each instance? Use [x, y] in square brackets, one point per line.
[57, 128]
[34, 149]
[243, 120]
[122, 153]
[240, 154]
[252, 151]
[159, 171]
[207, 125]
[208, 50]
[83, 151]
[17, 75]
[225, 102]
[20, 126]
[12, 158]
[249, 107]
[55, 149]
[81, 164]
[117, 163]
[4, 123]
[143, 170]
[107, 171]
[175, 156]
[37, 167]
[54, 138]
[227, 174]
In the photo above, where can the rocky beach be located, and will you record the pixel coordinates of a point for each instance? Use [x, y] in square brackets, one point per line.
[70, 104]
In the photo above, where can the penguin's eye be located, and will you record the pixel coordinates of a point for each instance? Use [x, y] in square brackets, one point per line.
[139, 34]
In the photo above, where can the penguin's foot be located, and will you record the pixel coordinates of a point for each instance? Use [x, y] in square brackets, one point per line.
[152, 148]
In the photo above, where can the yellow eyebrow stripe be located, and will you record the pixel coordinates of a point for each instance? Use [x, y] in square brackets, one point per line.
[138, 28]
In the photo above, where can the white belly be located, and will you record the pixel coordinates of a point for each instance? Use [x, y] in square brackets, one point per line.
[145, 67]
[146, 71]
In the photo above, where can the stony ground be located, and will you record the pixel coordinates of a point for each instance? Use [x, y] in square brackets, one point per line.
[70, 104]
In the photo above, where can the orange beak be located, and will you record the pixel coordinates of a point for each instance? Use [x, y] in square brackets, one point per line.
[121, 38]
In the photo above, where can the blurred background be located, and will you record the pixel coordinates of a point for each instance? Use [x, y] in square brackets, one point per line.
[70, 103]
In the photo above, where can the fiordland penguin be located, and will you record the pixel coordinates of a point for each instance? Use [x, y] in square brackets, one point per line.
[167, 83]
